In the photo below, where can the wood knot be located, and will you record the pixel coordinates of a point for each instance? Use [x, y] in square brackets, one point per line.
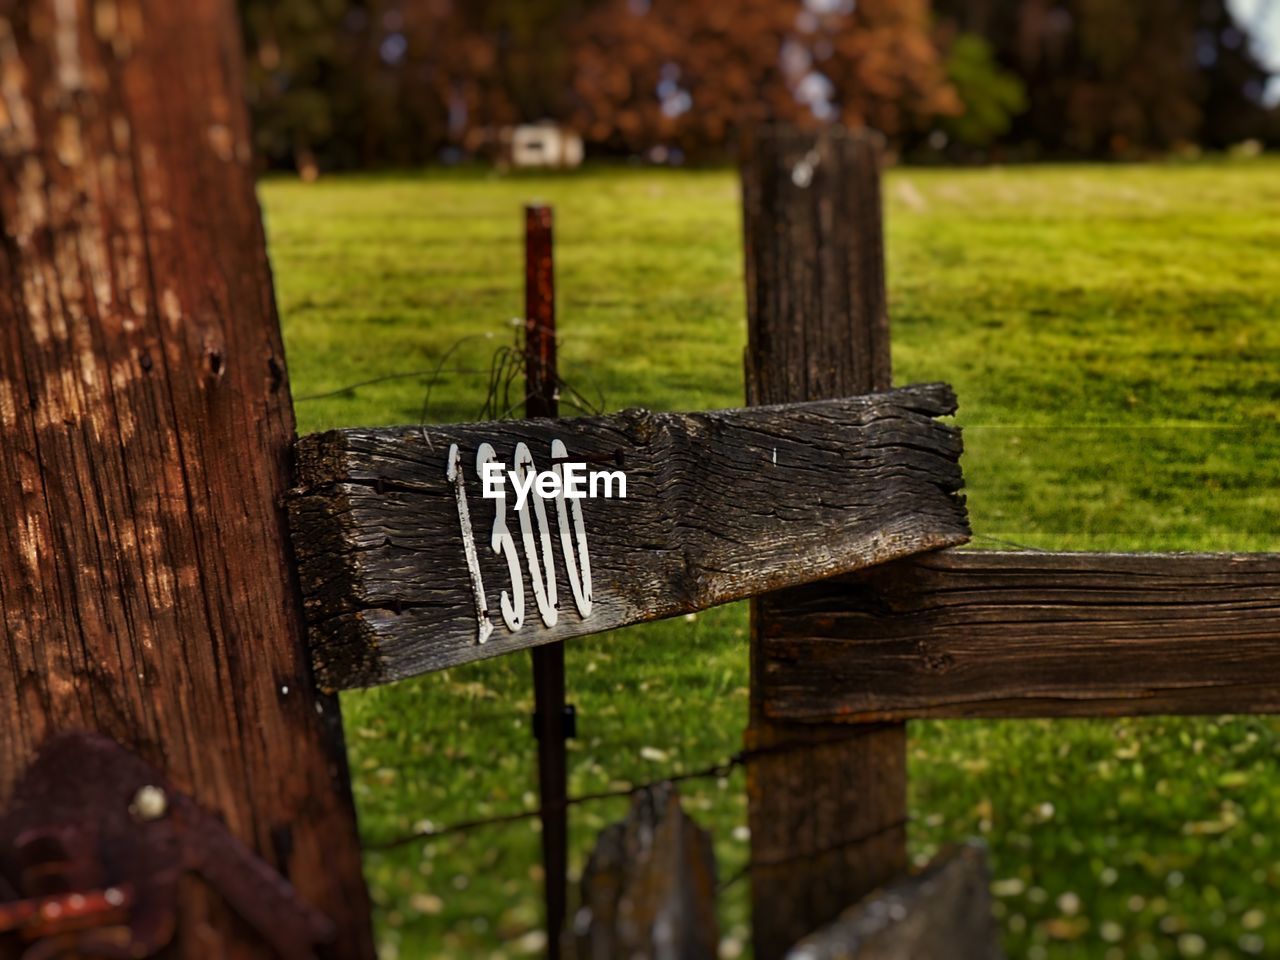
[933, 660]
[640, 424]
[275, 373]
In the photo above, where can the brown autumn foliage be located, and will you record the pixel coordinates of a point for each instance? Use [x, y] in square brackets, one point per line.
[452, 72]
[687, 73]
[340, 83]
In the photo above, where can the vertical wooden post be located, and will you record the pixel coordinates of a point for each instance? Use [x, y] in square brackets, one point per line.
[827, 817]
[541, 399]
[145, 429]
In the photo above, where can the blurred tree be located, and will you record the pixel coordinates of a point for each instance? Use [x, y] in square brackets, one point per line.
[360, 82]
[684, 74]
[534, 52]
[1235, 82]
[449, 72]
[339, 83]
[1107, 78]
[991, 95]
[303, 85]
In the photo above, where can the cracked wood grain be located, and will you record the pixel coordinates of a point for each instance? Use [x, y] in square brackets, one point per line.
[145, 426]
[978, 634]
[719, 506]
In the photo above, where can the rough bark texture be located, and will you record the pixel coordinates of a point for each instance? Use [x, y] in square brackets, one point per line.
[719, 506]
[649, 888]
[827, 819]
[943, 913]
[973, 634]
[145, 424]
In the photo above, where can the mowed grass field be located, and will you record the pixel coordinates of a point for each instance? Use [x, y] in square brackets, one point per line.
[1114, 337]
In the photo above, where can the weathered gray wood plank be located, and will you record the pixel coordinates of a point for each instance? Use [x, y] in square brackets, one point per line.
[977, 634]
[720, 506]
[649, 888]
[942, 913]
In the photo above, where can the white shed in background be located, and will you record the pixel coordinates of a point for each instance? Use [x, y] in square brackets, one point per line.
[542, 145]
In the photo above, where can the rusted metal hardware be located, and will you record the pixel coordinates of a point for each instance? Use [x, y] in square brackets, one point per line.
[542, 399]
[570, 722]
[93, 843]
[541, 394]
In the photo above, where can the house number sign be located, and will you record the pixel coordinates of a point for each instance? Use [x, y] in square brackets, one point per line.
[418, 555]
[564, 486]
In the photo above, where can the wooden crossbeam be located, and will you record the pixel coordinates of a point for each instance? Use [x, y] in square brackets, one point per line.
[719, 506]
[976, 634]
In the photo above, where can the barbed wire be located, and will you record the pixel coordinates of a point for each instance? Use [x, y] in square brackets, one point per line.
[721, 768]
[505, 370]
[350, 388]
[855, 841]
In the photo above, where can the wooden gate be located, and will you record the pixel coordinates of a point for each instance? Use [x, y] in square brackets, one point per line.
[151, 596]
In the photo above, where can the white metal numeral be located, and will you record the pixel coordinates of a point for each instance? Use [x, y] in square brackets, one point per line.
[502, 543]
[577, 562]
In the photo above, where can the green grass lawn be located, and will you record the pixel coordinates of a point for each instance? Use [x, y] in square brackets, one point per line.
[1113, 336]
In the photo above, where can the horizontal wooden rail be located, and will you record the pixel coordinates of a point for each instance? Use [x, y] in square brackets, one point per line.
[397, 547]
[975, 634]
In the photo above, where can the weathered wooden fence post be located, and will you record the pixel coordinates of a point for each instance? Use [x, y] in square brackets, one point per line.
[649, 887]
[145, 426]
[827, 819]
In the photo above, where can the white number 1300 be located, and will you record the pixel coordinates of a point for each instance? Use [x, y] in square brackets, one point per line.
[537, 549]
